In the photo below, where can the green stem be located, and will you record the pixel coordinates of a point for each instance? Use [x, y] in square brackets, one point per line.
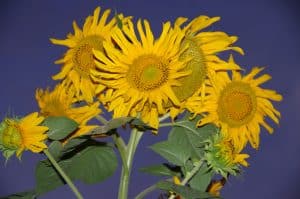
[164, 117]
[134, 139]
[189, 175]
[166, 124]
[149, 189]
[145, 192]
[119, 142]
[192, 172]
[101, 119]
[63, 174]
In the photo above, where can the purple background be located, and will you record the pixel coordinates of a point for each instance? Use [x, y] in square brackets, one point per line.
[269, 33]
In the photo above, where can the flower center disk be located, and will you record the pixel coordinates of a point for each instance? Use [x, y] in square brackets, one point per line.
[191, 83]
[83, 57]
[147, 72]
[237, 104]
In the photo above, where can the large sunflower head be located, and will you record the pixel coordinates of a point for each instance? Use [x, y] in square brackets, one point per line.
[204, 47]
[239, 106]
[79, 60]
[17, 135]
[140, 73]
[223, 157]
[62, 102]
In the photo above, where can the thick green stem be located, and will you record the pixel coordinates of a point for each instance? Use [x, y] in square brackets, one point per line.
[63, 174]
[134, 139]
[119, 142]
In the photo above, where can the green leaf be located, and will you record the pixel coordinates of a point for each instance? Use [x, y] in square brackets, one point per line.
[185, 192]
[59, 127]
[73, 144]
[55, 148]
[47, 177]
[118, 122]
[140, 125]
[173, 152]
[91, 162]
[194, 136]
[187, 167]
[22, 195]
[202, 179]
[160, 170]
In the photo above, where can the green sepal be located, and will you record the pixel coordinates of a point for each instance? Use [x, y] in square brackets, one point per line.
[119, 21]
[59, 127]
[7, 152]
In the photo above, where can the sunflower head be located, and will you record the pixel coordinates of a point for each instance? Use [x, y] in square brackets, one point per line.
[238, 105]
[17, 135]
[78, 61]
[222, 156]
[141, 72]
[202, 48]
[62, 101]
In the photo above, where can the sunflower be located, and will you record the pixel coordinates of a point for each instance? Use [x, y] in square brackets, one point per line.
[62, 102]
[78, 60]
[17, 135]
[223, 157]
[239, 106]
[141, 74]
[203, 48]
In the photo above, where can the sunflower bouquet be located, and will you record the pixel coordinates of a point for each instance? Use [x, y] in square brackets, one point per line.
[117, 76]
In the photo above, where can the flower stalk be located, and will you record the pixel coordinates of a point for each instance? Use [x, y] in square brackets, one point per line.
[189, 175]
[134, 139]
[63, 174]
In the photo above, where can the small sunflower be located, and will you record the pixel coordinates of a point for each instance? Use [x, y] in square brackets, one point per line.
[239, 105]
[62, 102]
[79, 60]
[223, 157]
[203, 49]
[140, 74]
[17, 135]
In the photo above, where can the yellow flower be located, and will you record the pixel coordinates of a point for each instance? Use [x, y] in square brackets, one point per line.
[204, 47]
[140, 74]
[239, 105]
[78, 60]
[17, 135]
[223, 157]
[62, 102]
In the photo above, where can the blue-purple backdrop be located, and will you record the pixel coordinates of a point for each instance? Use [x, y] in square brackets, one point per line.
[268, 31]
